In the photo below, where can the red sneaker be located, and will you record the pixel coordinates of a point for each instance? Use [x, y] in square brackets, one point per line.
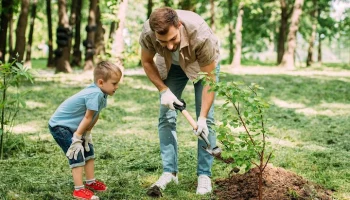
[84, 194]
[98, 186]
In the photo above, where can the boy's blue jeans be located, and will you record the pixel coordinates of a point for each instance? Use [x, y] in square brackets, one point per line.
[176, 82]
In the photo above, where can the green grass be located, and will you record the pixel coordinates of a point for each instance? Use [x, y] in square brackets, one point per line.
[310, 132]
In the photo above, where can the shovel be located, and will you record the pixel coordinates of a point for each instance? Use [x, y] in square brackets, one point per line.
[216, 151]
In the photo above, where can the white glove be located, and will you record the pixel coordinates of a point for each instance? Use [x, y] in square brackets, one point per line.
[202, 128]
[167, 98]
[75, 147]
[88, 140]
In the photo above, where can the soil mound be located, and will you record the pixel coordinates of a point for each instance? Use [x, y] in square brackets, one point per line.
[278, 184]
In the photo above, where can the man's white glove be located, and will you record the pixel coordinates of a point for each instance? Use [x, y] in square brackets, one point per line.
[88, 140]
[75, 147]
[167, 98]
[202, 128]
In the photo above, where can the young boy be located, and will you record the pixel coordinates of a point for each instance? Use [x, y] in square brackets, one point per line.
[72, 122]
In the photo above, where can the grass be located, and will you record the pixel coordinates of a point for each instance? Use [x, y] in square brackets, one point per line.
[309, 125]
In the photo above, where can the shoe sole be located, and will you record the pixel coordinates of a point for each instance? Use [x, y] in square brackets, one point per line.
[85, 198]
[154, 192]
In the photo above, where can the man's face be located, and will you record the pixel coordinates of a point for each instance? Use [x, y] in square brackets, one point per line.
[171, 40]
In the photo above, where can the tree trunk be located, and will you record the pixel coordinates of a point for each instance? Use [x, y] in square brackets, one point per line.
[21, 31]
[118, 40]
[236, 63]
[90, 41]
[30, 35]
[99, 37]
[288, 56]
[112, 30]
[212, 15]
[230, 29]
[63, 36]
[6, 17]
[282, 31]
[76, 60]
[149, 8]
[72, 21]
[11, 35]
[319, 55]
[310, 50]
[50, 60]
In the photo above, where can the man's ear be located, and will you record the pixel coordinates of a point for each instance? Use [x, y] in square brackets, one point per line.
[179, 25]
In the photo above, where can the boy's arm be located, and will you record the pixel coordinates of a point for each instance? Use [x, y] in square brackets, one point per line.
[93, 124]
[85, 123]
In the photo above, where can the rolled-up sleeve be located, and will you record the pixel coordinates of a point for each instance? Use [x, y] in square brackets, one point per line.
[207, 50]
[146, 42]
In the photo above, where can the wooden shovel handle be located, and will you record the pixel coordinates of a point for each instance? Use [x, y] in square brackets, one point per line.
[190, 119]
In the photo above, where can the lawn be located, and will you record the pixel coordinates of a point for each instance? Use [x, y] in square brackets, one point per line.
[310, 133]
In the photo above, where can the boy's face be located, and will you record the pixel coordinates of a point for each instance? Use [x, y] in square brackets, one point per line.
[110, 86]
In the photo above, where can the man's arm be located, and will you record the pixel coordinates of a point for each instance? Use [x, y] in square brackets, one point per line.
[151, 70]
[207, 97]
[85, 123]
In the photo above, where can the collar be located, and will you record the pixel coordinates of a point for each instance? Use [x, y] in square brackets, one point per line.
[183, 37]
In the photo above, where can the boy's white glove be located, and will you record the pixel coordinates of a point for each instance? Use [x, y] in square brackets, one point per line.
[75, 147]
[88, 140]
[202, 128]
[167, 98]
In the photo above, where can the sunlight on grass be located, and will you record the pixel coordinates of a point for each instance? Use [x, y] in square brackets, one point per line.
[33, 105]
[285, 104]
[137, 84]
[29, 127]
[41, 137]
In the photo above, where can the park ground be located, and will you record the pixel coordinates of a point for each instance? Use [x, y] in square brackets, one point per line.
[310, 134]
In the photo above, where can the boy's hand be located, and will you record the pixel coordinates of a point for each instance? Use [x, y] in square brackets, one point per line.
[88, 140]
[75, 147]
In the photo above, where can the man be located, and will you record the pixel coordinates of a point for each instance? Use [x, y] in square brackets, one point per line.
[183, 45]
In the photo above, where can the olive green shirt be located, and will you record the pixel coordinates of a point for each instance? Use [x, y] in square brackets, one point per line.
[199, 46]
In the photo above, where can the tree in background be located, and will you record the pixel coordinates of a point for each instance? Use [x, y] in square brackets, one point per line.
[63, 36]
[50, 60]
[30, 34]
[236, 62]
[21, 31]
[187, 5]
[288, 56]
[149, 8]
[6, 18]
[99, 36]
[76, 59]
[286, 11]
[312, 38]
[168, 3]
[89, 43]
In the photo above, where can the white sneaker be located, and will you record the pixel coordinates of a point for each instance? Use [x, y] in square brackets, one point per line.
[204, 185]
[164, 179]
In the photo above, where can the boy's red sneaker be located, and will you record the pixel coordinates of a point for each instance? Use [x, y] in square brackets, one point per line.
[84, 194]
[98, 186]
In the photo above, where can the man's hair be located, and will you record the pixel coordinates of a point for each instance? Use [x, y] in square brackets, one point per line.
[162, 18]
[105, 69]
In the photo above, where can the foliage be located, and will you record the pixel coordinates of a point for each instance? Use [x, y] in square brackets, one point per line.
[242, 132]
[12, 75]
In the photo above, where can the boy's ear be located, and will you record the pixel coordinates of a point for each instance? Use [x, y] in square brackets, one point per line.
[99, 82]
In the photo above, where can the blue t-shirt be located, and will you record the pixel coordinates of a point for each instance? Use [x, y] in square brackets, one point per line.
[72, 111]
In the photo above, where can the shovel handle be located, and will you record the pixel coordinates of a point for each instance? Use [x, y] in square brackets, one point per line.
[190, 119]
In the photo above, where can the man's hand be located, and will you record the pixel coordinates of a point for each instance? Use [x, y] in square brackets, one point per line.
[202, 128]
[88, 140]
[167, 98]
[75, 147]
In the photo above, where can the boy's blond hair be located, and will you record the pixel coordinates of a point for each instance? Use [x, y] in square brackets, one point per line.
[105, 69]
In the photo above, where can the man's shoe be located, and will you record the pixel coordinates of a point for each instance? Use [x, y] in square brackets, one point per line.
[98, 186]
[85, 194]
[164, 179]
[204, 185]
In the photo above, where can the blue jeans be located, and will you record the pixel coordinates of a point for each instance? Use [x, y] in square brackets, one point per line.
[176, 81]
[63, 136]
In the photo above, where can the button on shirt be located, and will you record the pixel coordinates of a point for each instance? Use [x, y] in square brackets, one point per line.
[72, 111]
[199, 46]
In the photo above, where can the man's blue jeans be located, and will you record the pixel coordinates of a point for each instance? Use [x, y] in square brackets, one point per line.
[176, 82]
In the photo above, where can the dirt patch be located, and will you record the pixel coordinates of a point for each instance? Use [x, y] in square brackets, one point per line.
[278, 184]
